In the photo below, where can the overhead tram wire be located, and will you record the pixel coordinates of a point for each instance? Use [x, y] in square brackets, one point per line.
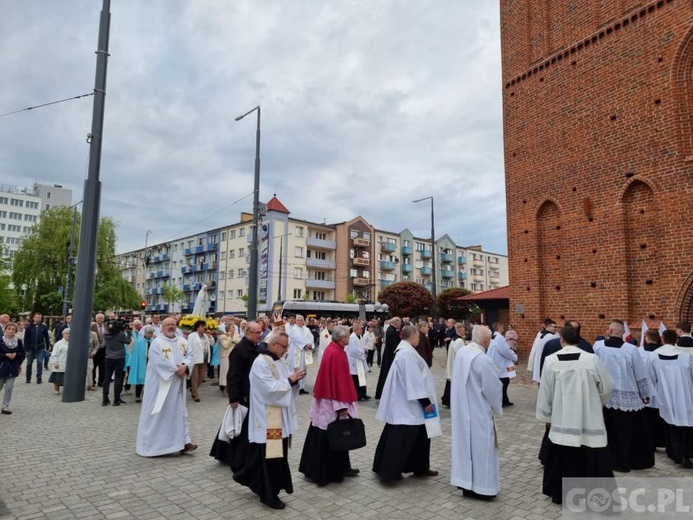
[46, 104]
[175, 237]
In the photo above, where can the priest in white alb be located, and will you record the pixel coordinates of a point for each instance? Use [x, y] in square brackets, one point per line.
[272, 422]
[671, 372]
[476, 396]
[630, 441]
[574, 386]
[544, 336]
[163, 426]
[301, 346]
[409, 391]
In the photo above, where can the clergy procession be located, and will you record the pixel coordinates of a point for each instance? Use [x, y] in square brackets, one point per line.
[607, 407]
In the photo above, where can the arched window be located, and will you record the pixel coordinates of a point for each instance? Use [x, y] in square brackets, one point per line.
[549, 258]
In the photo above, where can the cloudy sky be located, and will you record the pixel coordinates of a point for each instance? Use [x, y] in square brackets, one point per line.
[366, 105]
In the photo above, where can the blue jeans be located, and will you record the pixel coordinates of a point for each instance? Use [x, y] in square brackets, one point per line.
[38, 356]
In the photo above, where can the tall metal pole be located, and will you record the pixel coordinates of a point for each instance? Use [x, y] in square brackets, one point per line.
[433, 257]
[70, 263]
[281, 251]
[76, 367]
[252, 281]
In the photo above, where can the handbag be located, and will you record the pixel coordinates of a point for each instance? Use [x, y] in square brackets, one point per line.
[346, 434]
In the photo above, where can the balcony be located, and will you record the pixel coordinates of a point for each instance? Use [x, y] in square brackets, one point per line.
[478, 263]
[478, 277]
[385, 283]
[361, 282]
[447, 273]
[362, 242]
[426, 253]
[186, 287]
[388, 247]
[161, 307]
[196, 286]
[187, 269]
[447, 258]
[319, 243]
[312, 283]
[189, 251]
[407, 268]
[320, 264]
[387, 266]
[494, 275]
[362, 261]
[159, 258]
[426, 271]
[211, 246]
[407, 251]
[461, 259]
[462, 276]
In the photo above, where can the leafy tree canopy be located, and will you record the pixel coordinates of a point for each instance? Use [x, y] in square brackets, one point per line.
[41, 263]
[449, 307]
[407, 299]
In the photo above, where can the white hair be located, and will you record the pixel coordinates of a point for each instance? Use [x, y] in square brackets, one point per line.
[480, 333]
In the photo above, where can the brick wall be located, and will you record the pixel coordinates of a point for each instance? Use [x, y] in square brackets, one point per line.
[598, 112]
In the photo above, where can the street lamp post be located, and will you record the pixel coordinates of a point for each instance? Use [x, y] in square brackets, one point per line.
[70, 262]
[252, 282]
[433, 256]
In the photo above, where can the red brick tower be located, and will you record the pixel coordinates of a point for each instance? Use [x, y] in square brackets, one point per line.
[598, 127]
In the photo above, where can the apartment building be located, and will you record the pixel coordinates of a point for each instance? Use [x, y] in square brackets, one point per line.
[298, 259]
[20, 210]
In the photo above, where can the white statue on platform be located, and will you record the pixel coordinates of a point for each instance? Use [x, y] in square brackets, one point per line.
[201, 303]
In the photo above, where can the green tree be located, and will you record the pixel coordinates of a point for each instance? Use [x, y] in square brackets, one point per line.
[116, 293]
[172, 295]
[407, 299]
[41, 262]
[450, 307]
[350, 298]
[50, 304]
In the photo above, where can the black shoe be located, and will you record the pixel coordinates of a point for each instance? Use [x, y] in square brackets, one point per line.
[6, 412]
[106, 403]
[508, 404]
[301, 392]
[119, 402]
[274, 503]
[472, 494]
[352, 472]
[28, 381]
[38, 381]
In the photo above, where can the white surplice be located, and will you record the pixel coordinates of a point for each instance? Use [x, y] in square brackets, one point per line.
[408, 380]
[453, 348]
[163, 426]
[476, 396]
[627, 369]
[502, 356]
[673, 380]
[299, 337]
[571, 396]
[537, 350]
[266, 390]
[356, 354]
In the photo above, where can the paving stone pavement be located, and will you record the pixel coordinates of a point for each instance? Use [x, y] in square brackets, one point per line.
[77, 460]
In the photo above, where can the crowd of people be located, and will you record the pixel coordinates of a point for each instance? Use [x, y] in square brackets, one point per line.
[607, 406]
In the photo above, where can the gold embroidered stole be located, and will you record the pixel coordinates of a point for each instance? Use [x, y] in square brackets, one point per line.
[274, 448]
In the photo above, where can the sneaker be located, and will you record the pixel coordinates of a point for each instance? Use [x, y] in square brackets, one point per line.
[5, 411]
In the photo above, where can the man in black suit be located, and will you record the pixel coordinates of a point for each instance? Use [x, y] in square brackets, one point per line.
[554, 345]
[238, 387]
[392, 339]
[683, 331]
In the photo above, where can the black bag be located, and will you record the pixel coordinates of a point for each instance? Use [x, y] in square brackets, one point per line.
[346, 434]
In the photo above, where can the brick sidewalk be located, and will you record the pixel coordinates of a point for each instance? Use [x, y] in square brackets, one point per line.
[78, 460]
